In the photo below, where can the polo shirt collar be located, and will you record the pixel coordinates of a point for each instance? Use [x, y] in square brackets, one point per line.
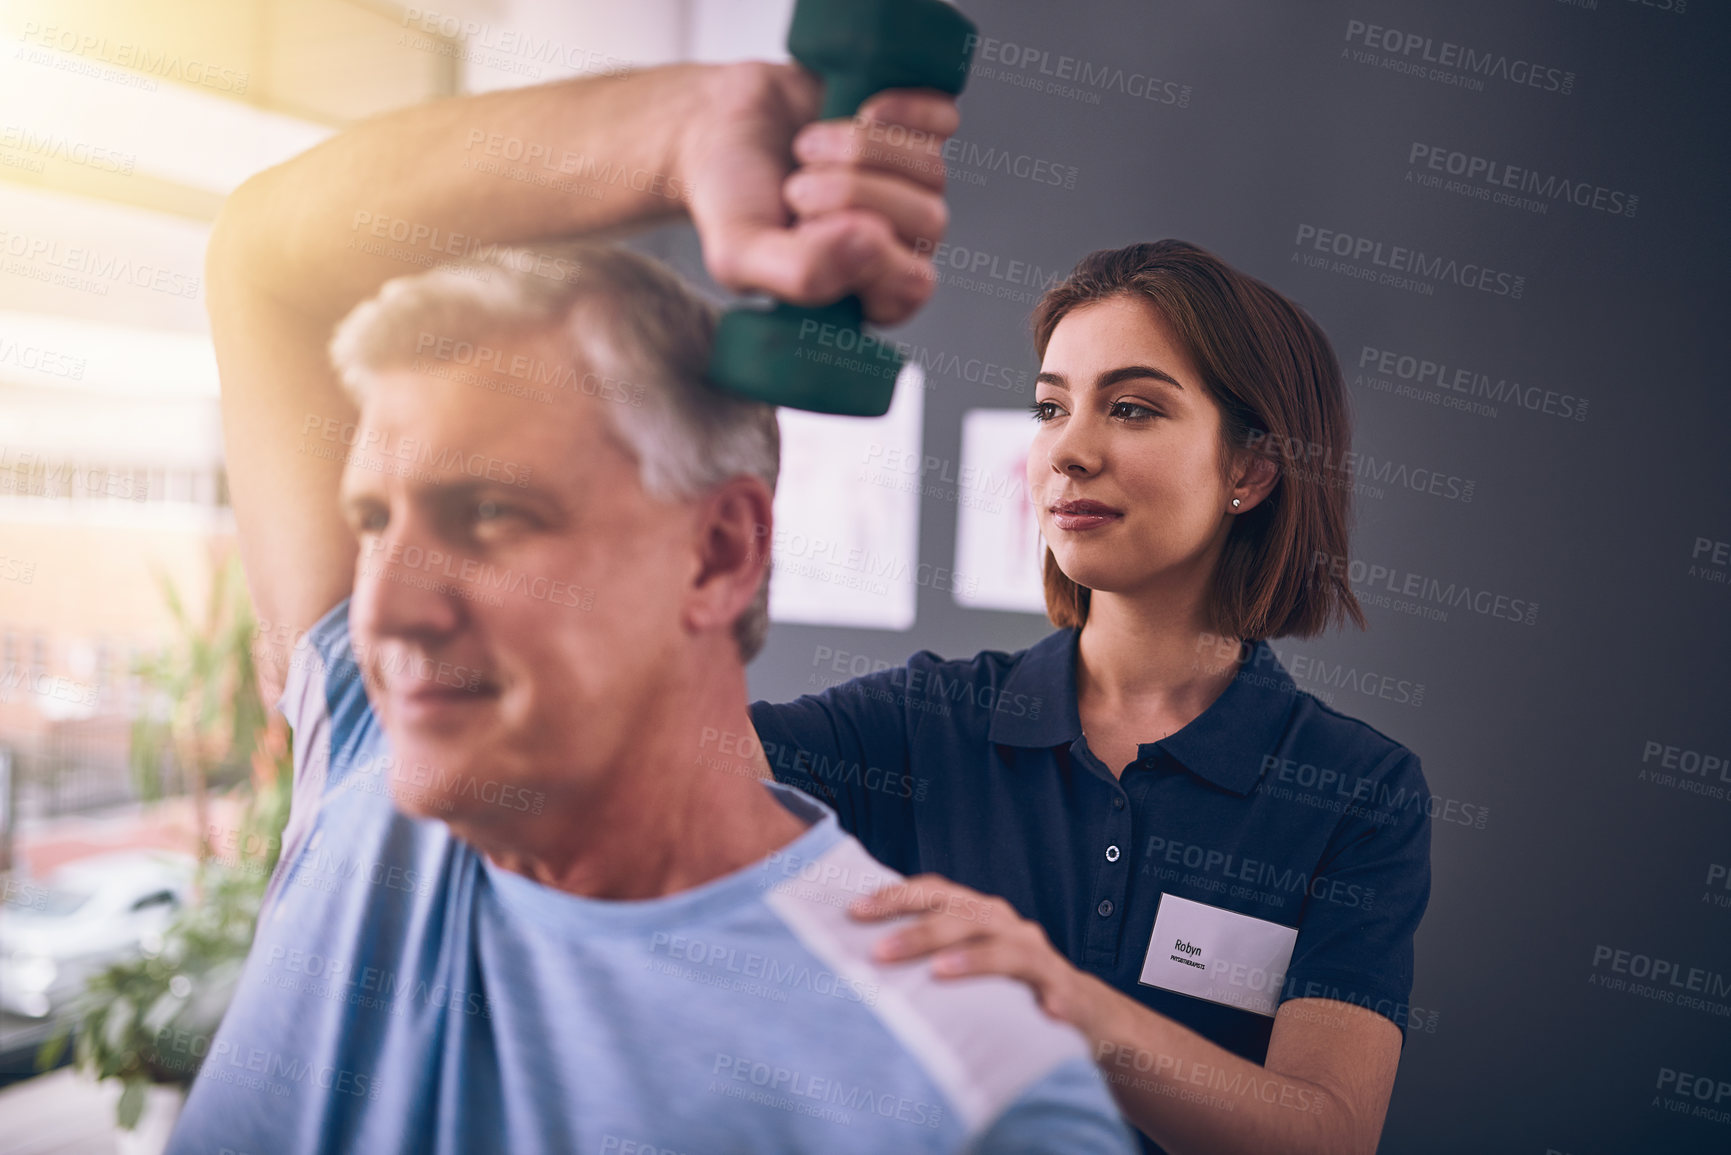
[1225, 745]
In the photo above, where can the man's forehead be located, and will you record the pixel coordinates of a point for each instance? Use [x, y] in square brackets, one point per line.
[480, 406]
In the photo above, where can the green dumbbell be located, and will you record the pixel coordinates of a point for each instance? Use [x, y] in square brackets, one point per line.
[820, 358]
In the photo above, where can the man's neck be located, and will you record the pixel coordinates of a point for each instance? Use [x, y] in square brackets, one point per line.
[667, 817]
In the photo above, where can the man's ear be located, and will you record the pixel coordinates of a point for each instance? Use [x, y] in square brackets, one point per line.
[1256, 475]
[733, 535]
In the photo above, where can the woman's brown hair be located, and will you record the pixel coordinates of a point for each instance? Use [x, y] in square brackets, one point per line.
[1273, 372]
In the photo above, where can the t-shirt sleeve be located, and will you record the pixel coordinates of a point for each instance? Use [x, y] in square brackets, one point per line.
[1367, 896]
[325, 705]
[1066, 1112]
[847, 747]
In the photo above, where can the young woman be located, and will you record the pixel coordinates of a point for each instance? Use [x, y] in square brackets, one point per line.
[1212, 874]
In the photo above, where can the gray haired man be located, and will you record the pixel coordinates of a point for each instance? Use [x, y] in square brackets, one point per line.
[519, 562]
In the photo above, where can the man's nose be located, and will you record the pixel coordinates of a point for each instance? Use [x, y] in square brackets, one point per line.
[402, 591]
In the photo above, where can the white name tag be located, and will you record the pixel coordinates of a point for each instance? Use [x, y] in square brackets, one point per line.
[1218, 955]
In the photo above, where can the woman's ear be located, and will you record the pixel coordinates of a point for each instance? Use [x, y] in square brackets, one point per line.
[1254, 480]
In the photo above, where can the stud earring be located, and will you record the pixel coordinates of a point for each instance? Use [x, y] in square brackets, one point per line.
[1235, 503]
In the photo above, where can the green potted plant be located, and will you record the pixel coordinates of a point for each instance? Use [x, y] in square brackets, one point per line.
[144, 1025]
[204, 706]
[147, 1023]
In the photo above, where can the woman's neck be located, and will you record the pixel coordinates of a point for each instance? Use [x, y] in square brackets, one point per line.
[1133, 652]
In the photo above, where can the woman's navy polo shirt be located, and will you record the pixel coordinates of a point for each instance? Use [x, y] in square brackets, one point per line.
[1269, 804]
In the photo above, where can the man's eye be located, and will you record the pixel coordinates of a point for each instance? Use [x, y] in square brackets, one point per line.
[371, 521]
[487, 513]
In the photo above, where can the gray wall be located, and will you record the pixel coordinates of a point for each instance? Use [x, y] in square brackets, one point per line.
[1593, 843]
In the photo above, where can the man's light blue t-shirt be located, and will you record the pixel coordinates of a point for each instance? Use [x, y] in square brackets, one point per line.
[404, 994]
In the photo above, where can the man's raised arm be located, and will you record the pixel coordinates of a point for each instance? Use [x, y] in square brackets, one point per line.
[299, 245]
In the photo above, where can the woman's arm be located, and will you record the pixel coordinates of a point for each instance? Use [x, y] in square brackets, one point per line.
[1324, 1088]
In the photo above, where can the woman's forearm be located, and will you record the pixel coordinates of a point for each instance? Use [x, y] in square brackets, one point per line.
[1194, 1097]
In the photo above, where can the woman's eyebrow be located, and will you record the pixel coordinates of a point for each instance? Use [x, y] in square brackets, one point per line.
[1113, 376]
[1136, 372]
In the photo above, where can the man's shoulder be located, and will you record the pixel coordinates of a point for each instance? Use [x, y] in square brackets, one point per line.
[984, 1039]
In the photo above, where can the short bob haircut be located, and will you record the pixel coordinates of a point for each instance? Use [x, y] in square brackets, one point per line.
[1273, 373]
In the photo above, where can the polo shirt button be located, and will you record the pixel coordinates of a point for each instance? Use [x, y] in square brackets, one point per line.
[1111, 854]
[1117, 804]
[1105, 908]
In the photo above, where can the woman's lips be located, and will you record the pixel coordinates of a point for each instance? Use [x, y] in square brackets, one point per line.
[1082, 515]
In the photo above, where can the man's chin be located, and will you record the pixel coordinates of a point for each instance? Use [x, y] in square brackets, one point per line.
[429, 781]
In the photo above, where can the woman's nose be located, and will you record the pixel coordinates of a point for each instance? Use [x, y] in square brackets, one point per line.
[1075, 452]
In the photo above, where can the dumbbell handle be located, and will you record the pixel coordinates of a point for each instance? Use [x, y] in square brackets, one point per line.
[819, 358]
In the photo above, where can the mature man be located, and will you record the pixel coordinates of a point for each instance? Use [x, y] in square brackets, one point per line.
[519, 908]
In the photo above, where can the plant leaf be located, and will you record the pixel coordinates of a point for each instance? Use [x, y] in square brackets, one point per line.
[131, 1104]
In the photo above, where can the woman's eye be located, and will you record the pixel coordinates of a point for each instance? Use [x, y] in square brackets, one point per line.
[1130, 410]
[1043, 410]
